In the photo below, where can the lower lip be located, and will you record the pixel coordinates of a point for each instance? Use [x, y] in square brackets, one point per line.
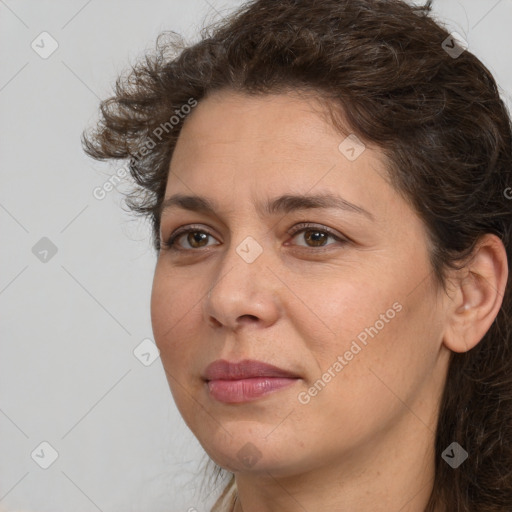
[246, 390]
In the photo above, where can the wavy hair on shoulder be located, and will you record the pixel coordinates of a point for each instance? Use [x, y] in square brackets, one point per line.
[382, 67]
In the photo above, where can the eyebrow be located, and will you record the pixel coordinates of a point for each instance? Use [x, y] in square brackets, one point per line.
[280, 205]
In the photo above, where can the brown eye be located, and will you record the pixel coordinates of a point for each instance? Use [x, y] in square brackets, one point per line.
[316, 237]
[195, 238]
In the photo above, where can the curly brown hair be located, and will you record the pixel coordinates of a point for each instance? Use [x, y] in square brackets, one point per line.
[383, 66]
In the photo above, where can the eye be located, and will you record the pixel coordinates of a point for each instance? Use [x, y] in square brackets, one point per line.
[196, 239]
[316, 235]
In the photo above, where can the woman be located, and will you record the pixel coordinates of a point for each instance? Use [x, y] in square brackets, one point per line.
[327, 188]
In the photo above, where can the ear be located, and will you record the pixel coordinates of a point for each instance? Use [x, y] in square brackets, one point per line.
[478, 294]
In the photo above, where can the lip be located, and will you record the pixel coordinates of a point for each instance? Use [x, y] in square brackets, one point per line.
[245, 369]
[245, 380]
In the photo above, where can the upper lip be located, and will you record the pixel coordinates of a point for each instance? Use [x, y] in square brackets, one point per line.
[226, 370]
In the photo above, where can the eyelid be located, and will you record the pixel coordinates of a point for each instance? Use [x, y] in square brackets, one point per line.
[304, 226]
[170, 242]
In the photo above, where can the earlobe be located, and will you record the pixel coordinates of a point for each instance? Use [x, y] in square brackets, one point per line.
[478, 296]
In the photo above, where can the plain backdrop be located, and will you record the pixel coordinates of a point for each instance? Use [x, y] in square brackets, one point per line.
[76, 271]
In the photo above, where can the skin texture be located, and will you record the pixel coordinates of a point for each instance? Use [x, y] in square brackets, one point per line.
[366, 440]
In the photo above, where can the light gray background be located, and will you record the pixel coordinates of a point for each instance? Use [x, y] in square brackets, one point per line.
[69, 326]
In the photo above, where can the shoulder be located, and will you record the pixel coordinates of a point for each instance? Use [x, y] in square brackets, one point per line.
[226, 501]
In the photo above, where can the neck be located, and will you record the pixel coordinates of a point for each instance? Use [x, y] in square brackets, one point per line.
[393, 473]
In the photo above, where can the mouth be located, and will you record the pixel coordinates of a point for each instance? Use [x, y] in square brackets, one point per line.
[245, 381]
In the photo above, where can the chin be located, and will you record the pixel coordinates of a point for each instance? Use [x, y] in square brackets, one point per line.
[252, 449]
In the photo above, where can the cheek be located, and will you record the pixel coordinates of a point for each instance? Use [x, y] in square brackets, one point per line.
[173, 315]
[172, 307]
[341, 311]
[384, 364]
[377, 327]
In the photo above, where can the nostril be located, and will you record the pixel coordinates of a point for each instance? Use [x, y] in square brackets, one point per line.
[247, 318]
[215, 322]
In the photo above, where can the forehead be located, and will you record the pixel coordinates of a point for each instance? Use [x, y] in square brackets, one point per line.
[284, 131]
[272, 122]
[234, 146]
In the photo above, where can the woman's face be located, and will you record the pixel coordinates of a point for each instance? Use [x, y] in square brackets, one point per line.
[345, 304]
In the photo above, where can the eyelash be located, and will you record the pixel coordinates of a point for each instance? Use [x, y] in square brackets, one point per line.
[299, 228]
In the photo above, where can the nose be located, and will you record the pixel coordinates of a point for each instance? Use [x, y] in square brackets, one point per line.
[246, 291]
